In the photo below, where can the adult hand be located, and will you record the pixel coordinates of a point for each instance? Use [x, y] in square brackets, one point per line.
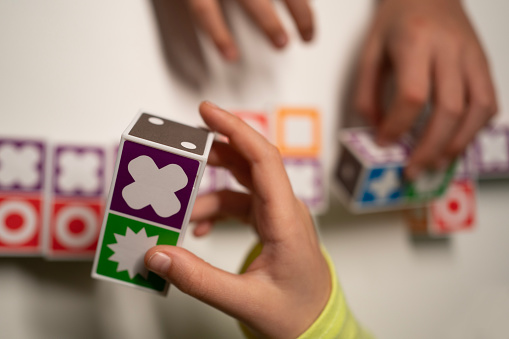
[210, 18]
[287, 286]
[433, 52]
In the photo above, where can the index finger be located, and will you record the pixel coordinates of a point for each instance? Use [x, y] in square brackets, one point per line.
[269, 178]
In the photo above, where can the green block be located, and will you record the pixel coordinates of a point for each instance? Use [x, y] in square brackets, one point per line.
[124, 245]
[429, 185]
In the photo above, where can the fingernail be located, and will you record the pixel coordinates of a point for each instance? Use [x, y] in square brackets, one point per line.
[159, 263]
[211, 104]
[307, 35]
[280, 40]
[230, 53]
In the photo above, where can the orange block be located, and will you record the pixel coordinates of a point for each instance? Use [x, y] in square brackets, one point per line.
[298, 132]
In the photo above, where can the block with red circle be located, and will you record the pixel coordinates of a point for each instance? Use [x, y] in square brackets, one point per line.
[298, 132]
[456, 210]
[74, 228]
[20, 224]
[258, 120]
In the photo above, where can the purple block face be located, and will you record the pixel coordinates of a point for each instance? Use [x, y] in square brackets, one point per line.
[491, 151]
[164, 174]
[21, 165]
[79, 171]
[362, 141]
[307, 180]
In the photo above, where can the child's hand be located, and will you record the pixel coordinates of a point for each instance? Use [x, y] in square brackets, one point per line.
[432, 49]
[209, 17]
[287, 286]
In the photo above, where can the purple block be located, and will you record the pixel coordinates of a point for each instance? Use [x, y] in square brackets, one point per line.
[306, 178]
[491, 152]
[22, 165]
[79, 171]
[131, 151]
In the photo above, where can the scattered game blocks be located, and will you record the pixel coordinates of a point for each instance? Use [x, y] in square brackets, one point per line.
[370, 178]
[158, 171]
[22, 185]
[76, 201]
[307, 179]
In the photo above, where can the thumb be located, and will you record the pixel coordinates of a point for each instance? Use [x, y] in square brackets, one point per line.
[192, 275]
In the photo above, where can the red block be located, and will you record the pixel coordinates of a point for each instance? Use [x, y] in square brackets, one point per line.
[456, 211]
[20, 224]
[74, 228]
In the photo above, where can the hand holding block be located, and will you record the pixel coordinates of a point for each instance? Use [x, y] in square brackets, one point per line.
[370, 178]
[156, 180]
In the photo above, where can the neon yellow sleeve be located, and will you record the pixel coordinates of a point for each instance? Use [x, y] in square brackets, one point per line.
[335, 322]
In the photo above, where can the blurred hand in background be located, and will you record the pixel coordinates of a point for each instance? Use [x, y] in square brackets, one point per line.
[209, 16]
[431, 51]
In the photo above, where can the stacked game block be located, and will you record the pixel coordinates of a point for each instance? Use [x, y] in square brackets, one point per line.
[298, 138]
[77, 200]
[455, 211]
[370, 178]
[157, 175]
[22, 184]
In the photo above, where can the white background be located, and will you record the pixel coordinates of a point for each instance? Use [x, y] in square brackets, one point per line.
[79, 71]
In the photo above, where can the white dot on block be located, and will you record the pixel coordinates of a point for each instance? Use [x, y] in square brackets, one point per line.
[155, 121]
[298, 131]
[188, 145]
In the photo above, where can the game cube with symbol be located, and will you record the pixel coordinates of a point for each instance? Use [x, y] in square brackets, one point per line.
[157, 176]
[370, 178]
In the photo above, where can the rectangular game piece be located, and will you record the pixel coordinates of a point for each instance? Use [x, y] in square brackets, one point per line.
[77, 198]
[490, 152]
[307, 178]
[156, 180]
[22, 185]
[298, 132]
[370, 178]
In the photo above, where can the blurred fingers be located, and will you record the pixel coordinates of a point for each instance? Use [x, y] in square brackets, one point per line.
[222, 204]
[448, 113]
[210, 18]
[412, 68]
[482, 103]
[303, 17]
[265, 16]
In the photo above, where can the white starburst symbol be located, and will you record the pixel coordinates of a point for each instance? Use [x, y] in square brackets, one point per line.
[130, 252]
[429, 181]
[154, 186]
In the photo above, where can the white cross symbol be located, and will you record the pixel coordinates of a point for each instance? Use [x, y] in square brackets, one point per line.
[154, 186]
[494, 149]
[19, 165]
[385, 184]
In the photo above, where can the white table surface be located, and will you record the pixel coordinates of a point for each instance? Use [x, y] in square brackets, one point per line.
[79, 71]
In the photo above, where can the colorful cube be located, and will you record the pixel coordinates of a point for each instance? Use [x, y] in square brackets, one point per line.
[22, 185]
[370, 178]
[76, 200]
[308, 182]
[156, 180]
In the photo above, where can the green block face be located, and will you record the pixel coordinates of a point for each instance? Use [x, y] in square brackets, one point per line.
[429, 185]
[123, 249]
